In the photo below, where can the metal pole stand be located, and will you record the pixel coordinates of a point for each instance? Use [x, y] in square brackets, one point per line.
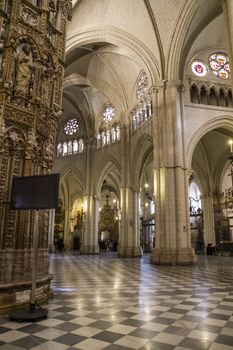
[35, 312]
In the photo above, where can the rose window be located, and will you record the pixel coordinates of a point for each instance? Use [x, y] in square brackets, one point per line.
[71, 126]
[199, 68]
[219, 64]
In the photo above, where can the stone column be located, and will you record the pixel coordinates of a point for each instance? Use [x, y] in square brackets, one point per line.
[51, 230]
[173, 240]
[90, 232]
[208, 217]
[67, 225]
[129, 240]
[129, 243]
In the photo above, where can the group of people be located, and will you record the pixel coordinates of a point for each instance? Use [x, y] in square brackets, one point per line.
[107, 245]
[61, 245]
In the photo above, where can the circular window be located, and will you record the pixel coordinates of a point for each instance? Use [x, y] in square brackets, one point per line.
[109, 113]
[219, 64]
[142, 85]
[71, 126]
[199, 68]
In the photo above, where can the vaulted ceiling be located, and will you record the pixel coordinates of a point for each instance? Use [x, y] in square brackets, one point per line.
[109, 44]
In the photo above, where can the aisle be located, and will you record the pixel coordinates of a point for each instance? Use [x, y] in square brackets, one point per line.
[103, 302]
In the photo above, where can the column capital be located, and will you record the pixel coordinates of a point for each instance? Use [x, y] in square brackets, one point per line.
[167, 84]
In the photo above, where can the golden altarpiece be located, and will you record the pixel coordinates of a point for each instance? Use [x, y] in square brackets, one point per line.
[32, 46]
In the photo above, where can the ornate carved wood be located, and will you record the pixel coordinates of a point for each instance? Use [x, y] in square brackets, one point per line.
[32, 44]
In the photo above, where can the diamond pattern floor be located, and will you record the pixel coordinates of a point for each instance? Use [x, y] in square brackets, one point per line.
[104, 302]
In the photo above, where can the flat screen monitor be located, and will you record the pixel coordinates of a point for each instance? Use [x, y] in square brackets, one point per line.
[35, 192]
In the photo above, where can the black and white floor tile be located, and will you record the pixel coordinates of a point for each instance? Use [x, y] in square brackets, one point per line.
[104, 302]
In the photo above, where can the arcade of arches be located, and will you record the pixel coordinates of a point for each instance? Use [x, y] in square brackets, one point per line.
[143, 142]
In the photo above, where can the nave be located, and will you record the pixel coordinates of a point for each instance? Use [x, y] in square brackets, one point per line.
[104, 302]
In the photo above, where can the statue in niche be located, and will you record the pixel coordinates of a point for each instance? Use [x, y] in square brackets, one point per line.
[52, 12]
[23, 69]
[47, 72]
[3, 35]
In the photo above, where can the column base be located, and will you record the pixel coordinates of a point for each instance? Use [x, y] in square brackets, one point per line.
[130, 252]
[89, 250]
[173, 256]
[17, 295]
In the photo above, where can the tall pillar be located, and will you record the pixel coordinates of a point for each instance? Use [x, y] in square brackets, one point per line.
[129, 242]
[173, 239]
[51, 230]
[67, 226]
[89, 244]
[208, 217]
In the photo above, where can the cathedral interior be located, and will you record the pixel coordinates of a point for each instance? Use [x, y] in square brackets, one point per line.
[130, 102]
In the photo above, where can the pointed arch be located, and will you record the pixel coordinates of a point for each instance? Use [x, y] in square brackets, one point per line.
[103, 168]
[119, 38]
[142, 152]
[223, 122]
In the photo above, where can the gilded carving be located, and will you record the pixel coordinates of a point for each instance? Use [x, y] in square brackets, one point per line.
[30, 99]
[29, 16]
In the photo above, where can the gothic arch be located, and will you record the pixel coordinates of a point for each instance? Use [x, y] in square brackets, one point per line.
[119, 38]
[71, 170]
[178, 39]
[104, 167]
[142, 152]
[75, 79]
[225, 122]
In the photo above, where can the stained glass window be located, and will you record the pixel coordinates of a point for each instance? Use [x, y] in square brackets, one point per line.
[199, 68]
[109, 113]
[71, 126]
[219, 64]
[142, 85]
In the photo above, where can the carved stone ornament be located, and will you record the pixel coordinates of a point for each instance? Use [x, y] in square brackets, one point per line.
[29, 16]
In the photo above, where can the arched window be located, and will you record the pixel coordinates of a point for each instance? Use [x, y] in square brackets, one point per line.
[103, 137]
[194, 96]
[229, 99]
[113, 135]
[142, 85]
[149, 108]
[65, 149]
[109, 113]
[107, 136]
[75, 146]
[81, 146]
[118, 133]
[70, 147]
[144, 111]
[222, 98]
[194, 198]
[98, 140]
[59, 150]
[203, 94]
[134, 122]
[213, 98]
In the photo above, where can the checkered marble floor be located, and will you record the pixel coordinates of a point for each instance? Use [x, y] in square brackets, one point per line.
[104, 302]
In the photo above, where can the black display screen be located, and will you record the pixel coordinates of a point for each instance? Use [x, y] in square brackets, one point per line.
[35, 192]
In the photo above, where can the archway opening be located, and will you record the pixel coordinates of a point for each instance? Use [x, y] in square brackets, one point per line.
[213, 216]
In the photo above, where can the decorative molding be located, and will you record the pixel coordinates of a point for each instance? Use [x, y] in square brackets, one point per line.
[29, 16]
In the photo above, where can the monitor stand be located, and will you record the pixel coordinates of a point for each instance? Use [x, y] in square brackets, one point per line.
[34, 312]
